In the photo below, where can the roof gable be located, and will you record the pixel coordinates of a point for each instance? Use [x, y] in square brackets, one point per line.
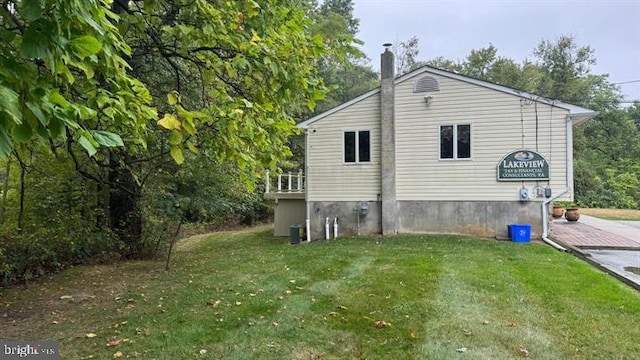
[579, 114]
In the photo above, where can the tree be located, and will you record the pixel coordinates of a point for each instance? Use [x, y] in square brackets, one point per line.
[406, 54]
[64, 78]
[344, 9]
[228, 77]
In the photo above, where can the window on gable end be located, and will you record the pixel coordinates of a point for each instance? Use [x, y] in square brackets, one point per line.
[455, 141]
[357, 146]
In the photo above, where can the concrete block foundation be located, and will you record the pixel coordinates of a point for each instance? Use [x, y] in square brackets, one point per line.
[477, 218]
[351, 221]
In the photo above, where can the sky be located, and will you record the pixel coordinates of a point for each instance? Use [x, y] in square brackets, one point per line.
[453, 28]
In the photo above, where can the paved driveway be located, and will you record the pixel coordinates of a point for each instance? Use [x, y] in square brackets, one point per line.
[614, 246]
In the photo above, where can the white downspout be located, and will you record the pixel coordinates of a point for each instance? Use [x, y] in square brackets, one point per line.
[569, 185]
[335, 228]
[545, 220]
[306, 185]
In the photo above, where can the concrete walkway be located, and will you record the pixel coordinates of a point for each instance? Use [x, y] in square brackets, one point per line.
[610, 245]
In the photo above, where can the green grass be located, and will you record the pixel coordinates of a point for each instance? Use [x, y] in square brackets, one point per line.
[613, 214]
[247, 295]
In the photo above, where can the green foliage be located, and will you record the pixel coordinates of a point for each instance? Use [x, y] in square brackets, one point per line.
[79, 83]
[62, 74]
[61, 220]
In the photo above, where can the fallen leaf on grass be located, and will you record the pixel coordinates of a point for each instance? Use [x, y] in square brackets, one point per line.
[462, 350]
[91, 335]
[118, 354]
[522, 351]
[213, 303]
[513, 324]
[275, 323]
[333, 314]
[238, 303]
[466, 332]
[381, 324]
[203, 351]
[485, 322]
[114, 342]
[66, 297]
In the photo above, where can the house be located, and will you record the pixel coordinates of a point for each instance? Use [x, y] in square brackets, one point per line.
[431, 151]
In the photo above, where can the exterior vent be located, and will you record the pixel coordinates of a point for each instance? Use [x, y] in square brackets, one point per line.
[426, 84]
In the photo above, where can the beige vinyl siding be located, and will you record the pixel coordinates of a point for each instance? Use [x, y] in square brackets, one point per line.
[329, 177]
[495, 119]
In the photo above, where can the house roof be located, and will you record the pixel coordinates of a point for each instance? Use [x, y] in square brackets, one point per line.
[577, 113]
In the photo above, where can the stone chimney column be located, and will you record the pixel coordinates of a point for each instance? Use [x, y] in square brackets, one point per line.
[388, 143]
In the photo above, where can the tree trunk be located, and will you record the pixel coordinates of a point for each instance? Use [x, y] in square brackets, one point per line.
[23, 173]
[5, 190]
[125, 215]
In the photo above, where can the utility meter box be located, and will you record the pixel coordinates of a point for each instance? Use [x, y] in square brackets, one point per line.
[364, 208]
[524, 194]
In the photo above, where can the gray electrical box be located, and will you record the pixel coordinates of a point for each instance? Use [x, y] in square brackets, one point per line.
[364, 208]
[524, 194]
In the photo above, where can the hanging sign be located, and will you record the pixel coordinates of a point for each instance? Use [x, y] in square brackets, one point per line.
[521, 165]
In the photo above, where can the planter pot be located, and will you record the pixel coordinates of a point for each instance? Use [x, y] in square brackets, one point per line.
[557, 212]
[572, 214]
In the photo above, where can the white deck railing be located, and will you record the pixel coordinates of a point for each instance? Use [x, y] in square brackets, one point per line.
[289, 182]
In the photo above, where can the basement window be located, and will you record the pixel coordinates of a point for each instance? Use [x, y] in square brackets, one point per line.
[357, 146]
[455, 141]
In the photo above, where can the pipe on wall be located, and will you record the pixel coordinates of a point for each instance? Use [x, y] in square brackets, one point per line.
[568, 186]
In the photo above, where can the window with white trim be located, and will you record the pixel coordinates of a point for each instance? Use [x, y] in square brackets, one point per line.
[357, 146]
[455, 141]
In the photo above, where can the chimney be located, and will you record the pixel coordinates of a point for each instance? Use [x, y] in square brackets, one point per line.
[388, 143]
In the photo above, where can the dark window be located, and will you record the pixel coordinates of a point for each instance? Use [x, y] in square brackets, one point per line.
[455, 141]
[364, 147]
[350, 146]
[464, 141]
[446, 142]
[357, 146]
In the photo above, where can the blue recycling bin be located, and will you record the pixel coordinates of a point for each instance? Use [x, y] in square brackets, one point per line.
[520, 233]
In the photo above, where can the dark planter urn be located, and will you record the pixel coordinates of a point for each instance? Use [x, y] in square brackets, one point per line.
[572, 214]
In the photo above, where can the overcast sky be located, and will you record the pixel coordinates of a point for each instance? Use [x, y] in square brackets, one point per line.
[453, 28]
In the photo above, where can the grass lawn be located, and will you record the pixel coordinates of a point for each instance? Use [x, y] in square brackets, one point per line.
[613, 214]
[248, 295]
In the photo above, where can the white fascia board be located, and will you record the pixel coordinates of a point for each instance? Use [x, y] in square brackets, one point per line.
[305, 124]
[573, 109]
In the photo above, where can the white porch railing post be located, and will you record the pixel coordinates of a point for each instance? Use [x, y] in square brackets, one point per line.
[279, 182]
[289, 182]
[300, 180]
[267, 183]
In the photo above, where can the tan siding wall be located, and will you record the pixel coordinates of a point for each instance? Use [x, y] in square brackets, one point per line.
[329, 178]
[495, 120]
